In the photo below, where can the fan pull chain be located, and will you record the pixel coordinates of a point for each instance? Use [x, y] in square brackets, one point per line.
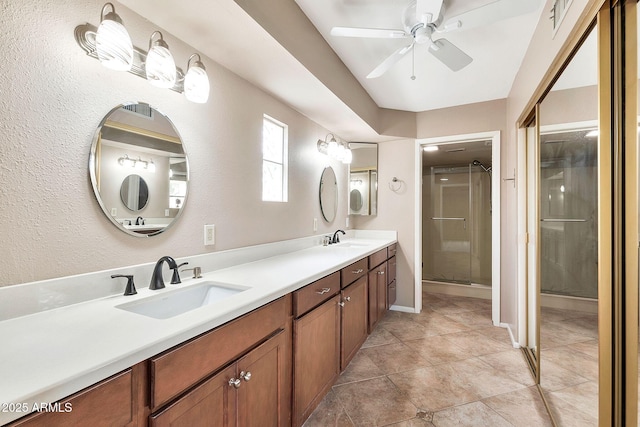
[413, 63]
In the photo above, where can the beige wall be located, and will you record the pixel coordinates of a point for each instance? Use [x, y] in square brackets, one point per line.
[54, 96]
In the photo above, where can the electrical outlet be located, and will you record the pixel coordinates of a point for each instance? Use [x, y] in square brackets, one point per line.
[209, 234]
[315, 224]
[114, 211]
[346, 223]
[166, 212]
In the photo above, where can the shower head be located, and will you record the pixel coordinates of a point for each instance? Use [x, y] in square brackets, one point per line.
[477, 162]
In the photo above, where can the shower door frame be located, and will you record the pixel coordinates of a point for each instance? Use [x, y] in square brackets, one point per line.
[494, 136]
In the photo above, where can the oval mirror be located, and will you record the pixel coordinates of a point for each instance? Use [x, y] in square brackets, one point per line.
[134, 192]
[328, 194]
[355, 200]
[139, 169]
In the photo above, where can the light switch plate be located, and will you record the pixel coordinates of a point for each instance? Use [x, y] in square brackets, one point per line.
[315, 224]
[114, 211]
[209, 235]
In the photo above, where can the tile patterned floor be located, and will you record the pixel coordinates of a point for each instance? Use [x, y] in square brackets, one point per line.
[569, 370]
[447, 366]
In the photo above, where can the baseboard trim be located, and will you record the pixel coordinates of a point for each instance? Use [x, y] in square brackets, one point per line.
[514, 343]
[403, 309]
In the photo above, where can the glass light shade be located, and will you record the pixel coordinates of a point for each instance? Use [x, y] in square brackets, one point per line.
[113, 44]
[332, 148]
[196, 83]
[340, 152]
[160, 66]
[348, 157]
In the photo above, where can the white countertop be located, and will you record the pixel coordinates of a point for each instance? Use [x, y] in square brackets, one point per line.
[52, 354]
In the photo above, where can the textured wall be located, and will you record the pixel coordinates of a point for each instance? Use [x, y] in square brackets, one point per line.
[52, 98]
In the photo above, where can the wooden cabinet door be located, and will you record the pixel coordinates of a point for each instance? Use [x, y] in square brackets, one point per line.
[377, 295]
[264, 394]
[354, 320]
[211, 404]
[316, 357]
[381, 297]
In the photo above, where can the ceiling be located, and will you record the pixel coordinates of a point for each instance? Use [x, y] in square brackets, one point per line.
[497, 50]
[224, 32]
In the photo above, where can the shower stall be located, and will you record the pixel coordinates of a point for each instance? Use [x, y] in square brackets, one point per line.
[457, 223]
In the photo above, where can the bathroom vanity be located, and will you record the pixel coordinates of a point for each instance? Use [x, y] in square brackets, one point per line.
[266, 355]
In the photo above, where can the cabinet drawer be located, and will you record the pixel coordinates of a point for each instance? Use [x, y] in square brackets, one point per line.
[316, 293]
[392, 249]
[353, 272]
[377, 258]
[108, 403]
[177, 369]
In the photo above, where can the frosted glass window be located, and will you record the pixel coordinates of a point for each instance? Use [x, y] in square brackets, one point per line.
[274, 160]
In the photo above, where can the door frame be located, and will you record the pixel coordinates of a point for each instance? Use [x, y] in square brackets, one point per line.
[494, 136]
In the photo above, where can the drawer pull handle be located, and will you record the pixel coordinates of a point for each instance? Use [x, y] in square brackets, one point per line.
[234, 382]
[381, 272]
[323, 291]
[358, 271]
[245, 375]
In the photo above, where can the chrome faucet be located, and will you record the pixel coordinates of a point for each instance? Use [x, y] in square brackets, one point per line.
[157, 281]
[336, 238]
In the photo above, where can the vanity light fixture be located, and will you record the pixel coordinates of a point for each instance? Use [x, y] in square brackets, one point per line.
[160, 66]
[335, 149]
[137, 163]
[196, 81]
[110, 43]
[113, 43]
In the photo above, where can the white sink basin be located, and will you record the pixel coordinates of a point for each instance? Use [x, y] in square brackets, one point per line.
[349, 245]
[175, 302]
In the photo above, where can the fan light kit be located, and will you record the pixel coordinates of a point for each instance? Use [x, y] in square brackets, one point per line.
[111, 44]
[422, 19]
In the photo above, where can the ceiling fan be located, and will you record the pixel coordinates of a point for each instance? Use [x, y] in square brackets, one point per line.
[424, 18]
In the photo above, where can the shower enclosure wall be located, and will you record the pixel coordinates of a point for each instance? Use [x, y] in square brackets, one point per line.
[457, 224]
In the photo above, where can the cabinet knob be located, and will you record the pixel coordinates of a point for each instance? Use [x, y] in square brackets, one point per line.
[341, 304]
[323, 291]
[245, 375]
[234, 382]
[347, 299]
[381, 272]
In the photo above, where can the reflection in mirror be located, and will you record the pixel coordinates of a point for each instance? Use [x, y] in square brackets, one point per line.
[328, 194]
[134, 192]
[567, 227]
[139, 168]
[363, 179]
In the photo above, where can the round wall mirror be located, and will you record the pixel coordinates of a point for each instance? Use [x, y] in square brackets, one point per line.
[134, 193]
[139, 169]
[328, 194]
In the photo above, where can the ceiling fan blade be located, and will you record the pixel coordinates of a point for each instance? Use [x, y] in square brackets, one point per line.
[428, 11]
[389, 62]
[449, 54]
[379, 33]
[492, 12]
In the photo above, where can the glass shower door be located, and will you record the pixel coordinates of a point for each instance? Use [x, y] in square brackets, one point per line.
[568, 214]
[447, 234]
